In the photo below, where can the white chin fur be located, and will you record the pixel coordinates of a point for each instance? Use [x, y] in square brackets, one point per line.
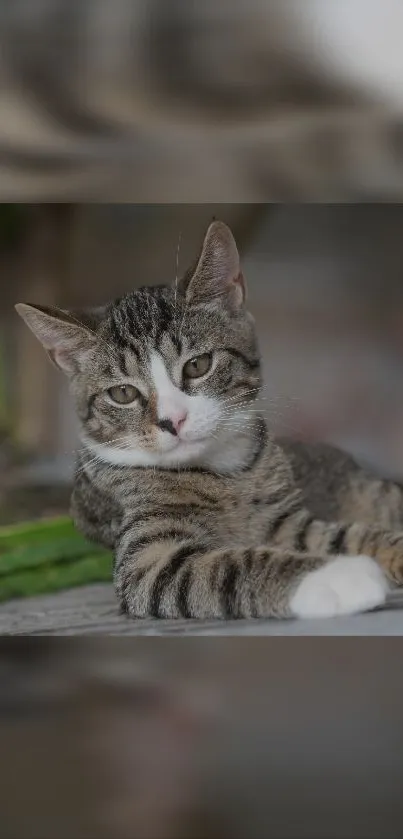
[183, 453]
[221, 454]
[344, 586]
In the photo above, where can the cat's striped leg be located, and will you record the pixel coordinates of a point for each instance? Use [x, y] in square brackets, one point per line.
[298, 530]
[169, 575]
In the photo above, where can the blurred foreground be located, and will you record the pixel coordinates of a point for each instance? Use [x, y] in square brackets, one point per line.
[164, 740]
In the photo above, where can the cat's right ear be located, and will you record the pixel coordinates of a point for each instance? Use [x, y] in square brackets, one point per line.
[217, 277]
[65, 339]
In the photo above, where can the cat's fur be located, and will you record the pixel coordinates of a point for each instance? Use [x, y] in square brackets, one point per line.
[216, 101]
[185, 484]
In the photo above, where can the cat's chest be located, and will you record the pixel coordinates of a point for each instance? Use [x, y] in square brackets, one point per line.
[240, 519]
[229, 509]
[240, 507]
[246, 509]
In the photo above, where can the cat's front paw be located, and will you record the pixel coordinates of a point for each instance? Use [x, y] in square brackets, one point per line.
[344, 586]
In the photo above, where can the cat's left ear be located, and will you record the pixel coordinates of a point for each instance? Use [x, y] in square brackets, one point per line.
[218, 277]
[67, 341]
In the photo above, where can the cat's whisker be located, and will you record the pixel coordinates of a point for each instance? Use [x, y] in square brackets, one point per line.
[268, 416]
[242, 412]
[234, 406]
[176, 286]
[236, 422]
[264, 390]
[241, 395]
[243, 421]
[238, 426]
[183, 319]
[84, 448]
[259, 398]
[88, 462]
[185, 307]
[251, 406]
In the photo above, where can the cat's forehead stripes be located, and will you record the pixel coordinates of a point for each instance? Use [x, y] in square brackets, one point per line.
[141, 326]
[144, 316]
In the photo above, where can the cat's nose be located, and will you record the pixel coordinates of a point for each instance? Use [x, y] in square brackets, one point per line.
[172, 424]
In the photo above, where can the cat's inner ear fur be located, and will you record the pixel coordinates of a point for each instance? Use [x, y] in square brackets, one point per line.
[66, 340]
[217, 277]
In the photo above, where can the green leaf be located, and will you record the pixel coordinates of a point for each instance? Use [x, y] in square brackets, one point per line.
[53, 578]
[45, 556]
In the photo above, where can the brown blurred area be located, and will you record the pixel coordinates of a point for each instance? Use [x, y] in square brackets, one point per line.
[325, 286]
[228, 100]
[199, 739]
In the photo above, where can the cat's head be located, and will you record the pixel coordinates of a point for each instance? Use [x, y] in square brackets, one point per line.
[163, 374]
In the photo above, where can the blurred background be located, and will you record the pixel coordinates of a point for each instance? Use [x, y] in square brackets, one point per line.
[228, 100]
[325, 286]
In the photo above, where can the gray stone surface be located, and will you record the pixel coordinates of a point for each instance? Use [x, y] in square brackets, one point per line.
[92, 610]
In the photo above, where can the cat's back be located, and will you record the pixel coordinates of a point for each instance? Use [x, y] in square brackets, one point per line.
[322, 472]
[335, 487]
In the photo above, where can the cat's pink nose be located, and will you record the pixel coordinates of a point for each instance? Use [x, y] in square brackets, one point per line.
[174, 423]
[179, 420]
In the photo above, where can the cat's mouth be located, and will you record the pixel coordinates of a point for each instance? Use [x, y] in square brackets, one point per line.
[186, 443]
[179, 451]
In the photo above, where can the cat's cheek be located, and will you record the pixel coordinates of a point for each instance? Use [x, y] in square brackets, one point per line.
[204, 415]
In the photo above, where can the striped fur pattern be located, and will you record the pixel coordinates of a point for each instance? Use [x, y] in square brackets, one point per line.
[180, 475]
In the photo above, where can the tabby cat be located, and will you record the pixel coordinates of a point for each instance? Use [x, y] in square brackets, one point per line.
[178, 473]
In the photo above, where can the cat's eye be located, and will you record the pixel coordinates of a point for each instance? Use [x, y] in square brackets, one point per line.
[198, 366]
[123, 394]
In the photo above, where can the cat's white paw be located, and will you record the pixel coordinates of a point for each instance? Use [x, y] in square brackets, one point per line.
[344, 586]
